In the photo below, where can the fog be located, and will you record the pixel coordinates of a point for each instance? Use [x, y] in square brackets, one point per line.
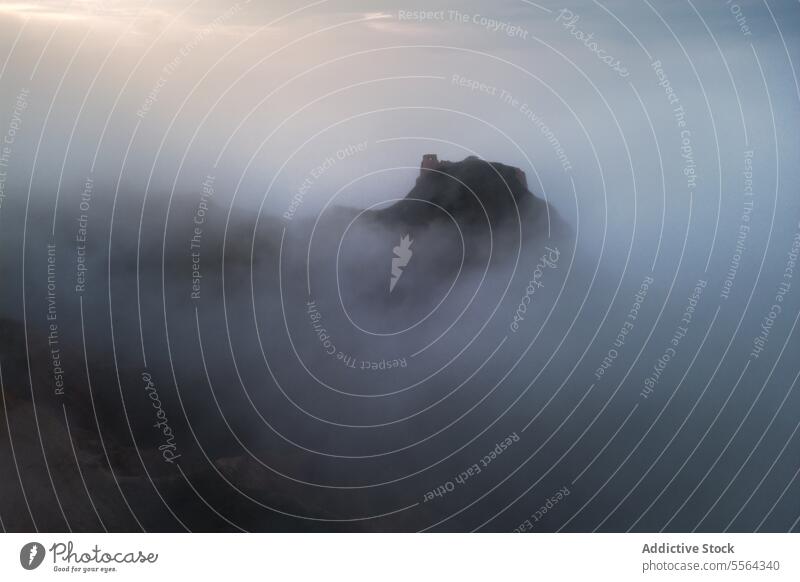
[223, 189]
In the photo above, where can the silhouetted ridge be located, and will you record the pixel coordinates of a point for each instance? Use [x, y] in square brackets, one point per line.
[472, 190]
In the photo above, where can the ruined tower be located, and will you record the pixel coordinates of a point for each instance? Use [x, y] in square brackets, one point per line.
[429, 162]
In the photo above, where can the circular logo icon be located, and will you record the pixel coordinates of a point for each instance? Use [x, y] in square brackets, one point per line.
[31, 555]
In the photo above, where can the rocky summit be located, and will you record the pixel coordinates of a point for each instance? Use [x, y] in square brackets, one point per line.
[472, 191]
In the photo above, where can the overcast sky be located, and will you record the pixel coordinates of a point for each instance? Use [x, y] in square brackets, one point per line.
[266, 79]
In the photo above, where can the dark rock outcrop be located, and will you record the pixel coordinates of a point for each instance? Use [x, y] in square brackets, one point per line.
[471, 192]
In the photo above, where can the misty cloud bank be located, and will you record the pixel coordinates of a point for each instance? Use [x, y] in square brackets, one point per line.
[233, 299]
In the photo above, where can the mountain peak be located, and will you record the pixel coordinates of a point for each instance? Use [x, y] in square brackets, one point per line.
[470, 190]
